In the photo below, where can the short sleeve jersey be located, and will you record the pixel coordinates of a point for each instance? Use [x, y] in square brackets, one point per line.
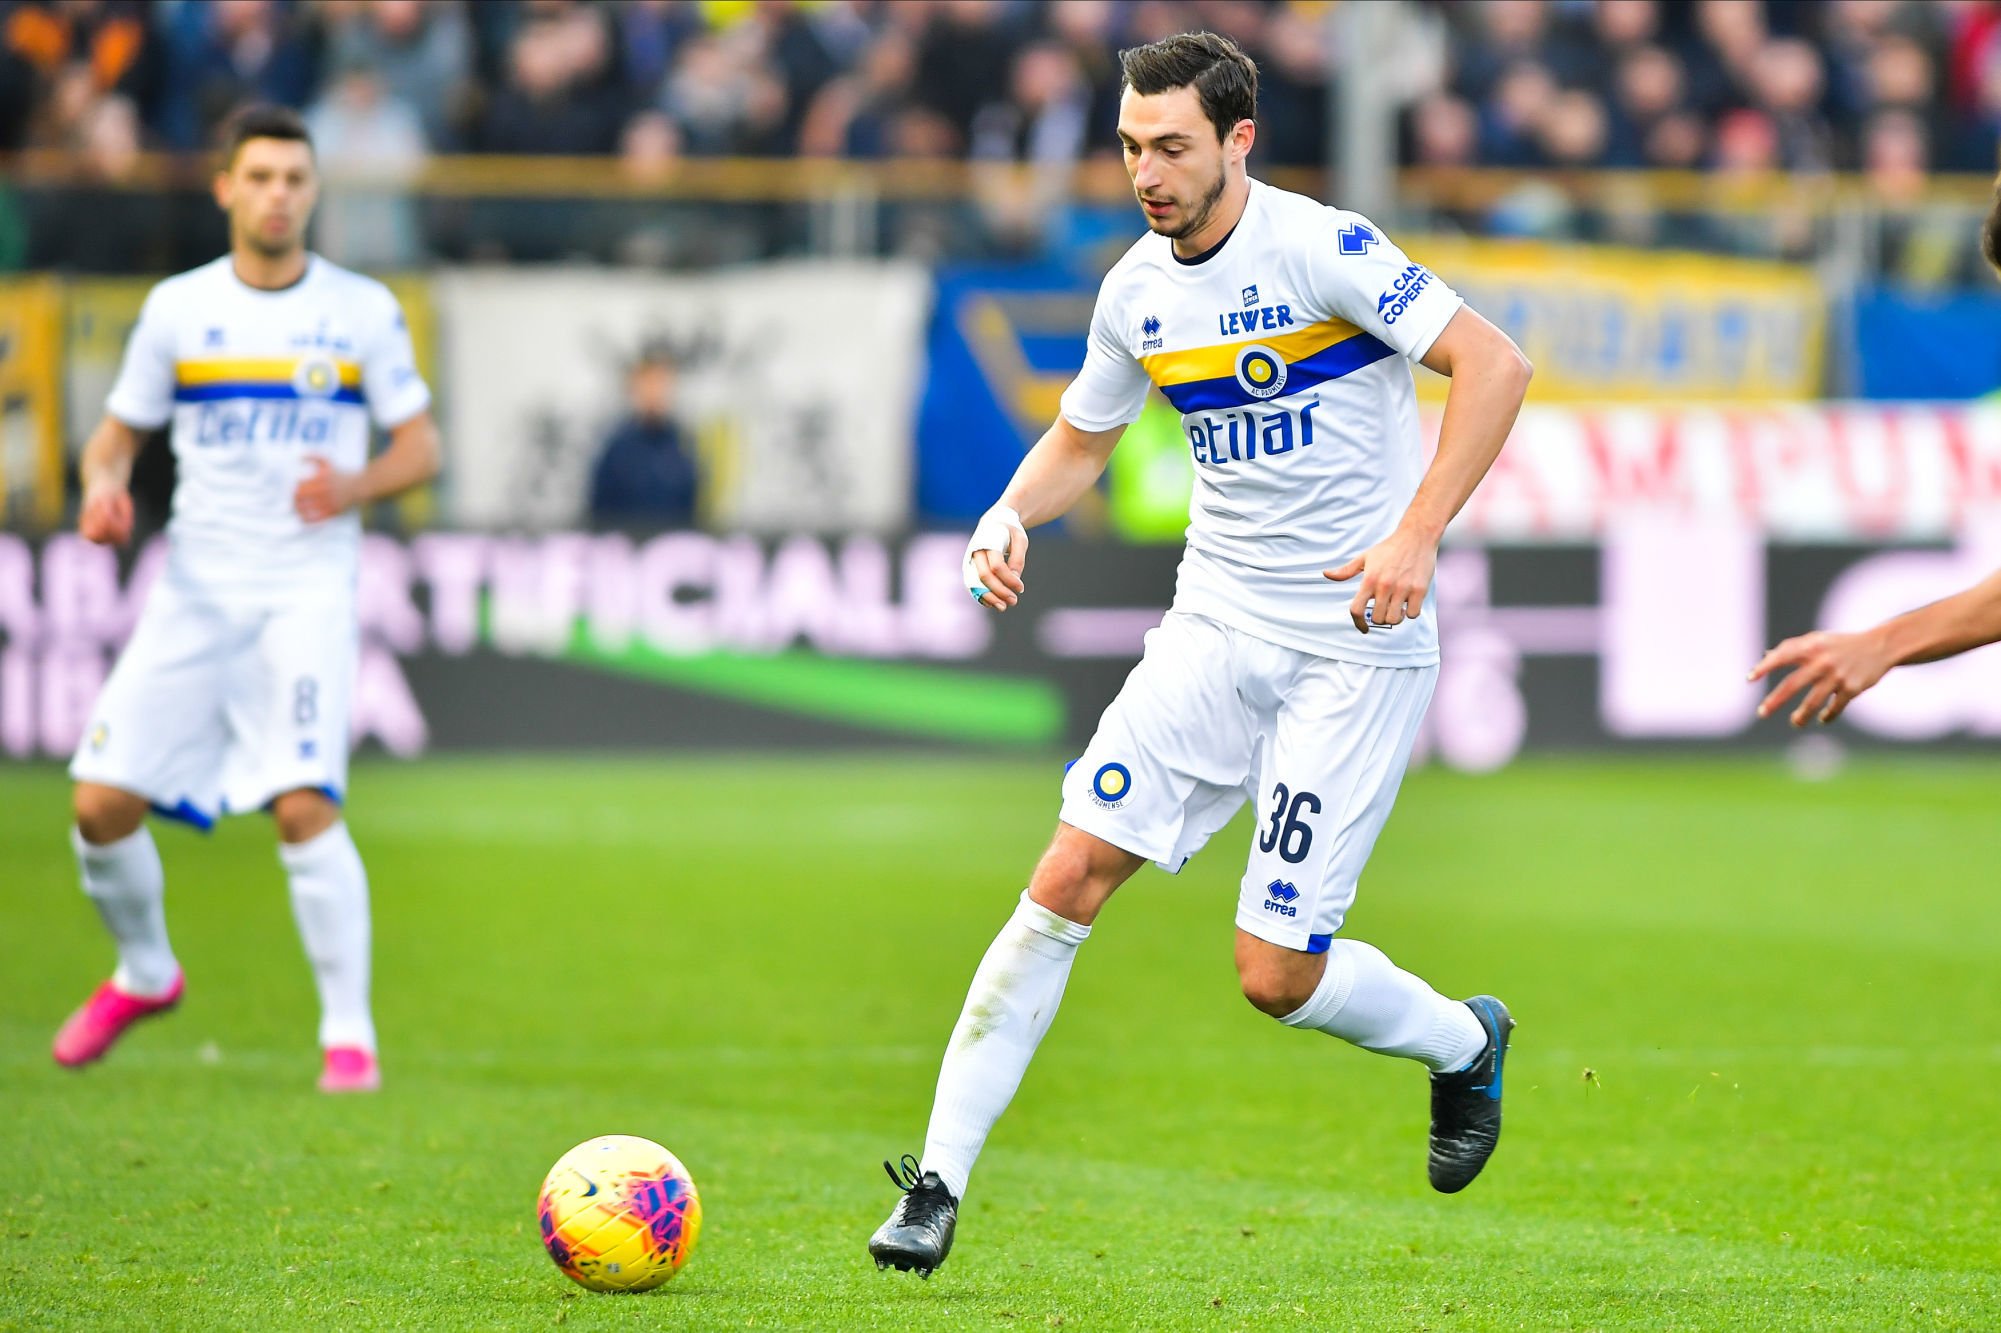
[1285, 350]
[254, 383]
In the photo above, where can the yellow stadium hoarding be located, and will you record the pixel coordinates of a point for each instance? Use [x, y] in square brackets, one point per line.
[31, 436]
[1604, 324]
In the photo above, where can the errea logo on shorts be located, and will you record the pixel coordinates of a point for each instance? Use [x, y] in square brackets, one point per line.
[1280, 895]
[1111, 784]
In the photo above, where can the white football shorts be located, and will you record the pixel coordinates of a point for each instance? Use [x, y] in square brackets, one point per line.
[1213, 716]
[215, 708]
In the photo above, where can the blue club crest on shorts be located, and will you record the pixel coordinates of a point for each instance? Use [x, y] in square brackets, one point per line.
[1112, 783]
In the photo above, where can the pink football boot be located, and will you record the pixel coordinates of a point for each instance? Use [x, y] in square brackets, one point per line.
[102, 1020]
[350, 1069]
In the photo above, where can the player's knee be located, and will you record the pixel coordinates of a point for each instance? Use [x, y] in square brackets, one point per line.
[1063, 884]
[105, 814]
[1078, 874]
[1278, 981]
[303, 815]
[1274, 993]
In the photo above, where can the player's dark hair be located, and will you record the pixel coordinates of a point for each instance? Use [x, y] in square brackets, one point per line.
[1223, 77]
[261, 120]
[1990, 231]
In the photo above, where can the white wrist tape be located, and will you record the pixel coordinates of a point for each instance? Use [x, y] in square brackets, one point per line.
[991, 533]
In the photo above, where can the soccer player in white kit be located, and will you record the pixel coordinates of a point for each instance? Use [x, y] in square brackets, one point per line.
[269, 365]
[1280, 329]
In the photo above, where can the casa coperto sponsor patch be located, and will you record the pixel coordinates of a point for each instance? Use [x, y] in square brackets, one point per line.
[1410, 285]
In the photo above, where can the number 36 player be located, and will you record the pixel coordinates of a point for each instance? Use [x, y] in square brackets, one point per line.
[1294, 666]
[232, 696]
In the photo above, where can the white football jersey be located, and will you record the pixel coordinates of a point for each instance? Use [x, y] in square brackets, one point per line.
[254, 383]
[1284, 350]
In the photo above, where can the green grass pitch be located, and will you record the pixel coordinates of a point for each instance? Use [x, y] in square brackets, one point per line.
[1756, 1084]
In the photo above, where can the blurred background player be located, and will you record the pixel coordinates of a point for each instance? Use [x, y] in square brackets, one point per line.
[268, 366]
[643, 475]
[1832, 668]
[1279, 328]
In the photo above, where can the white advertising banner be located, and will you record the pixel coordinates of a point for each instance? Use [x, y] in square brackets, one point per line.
[797, 389]
[1838, 472]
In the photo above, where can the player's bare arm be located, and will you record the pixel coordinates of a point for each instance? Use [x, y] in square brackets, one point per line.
[106, 515]
[411, 459]
[1064, 464]
[1833, 668]
[1490, 378]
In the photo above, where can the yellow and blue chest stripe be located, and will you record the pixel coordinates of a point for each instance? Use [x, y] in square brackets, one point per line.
[1238, 374]
[321, 378]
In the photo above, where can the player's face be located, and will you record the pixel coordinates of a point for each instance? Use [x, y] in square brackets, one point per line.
[269, 192]
[1179, 168]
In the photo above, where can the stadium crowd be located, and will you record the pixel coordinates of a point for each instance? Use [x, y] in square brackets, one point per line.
[1893, 89]
[1800, 85]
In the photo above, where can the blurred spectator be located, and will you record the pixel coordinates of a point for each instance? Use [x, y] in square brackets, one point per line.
[40, 42]
[648, 156]
[1789, 82]
[1896, 156]
[1730, 35]
[371, 148]
[1445, 132]
[1574, 135]
[555, 100]
[1649, 88]
[855, 115]
[804, 49]
[727, 98]
[1041, 119]
[1522, 100]
[1505, 35]
[1291, 50]
[1675, 142]
[1752, 220]
[650, 32]
[963, 56]
[103, 224]
[650, 148]
[1747, 144]
[1920, 244]
[1038, 123]
[644, 477]
[1624, 25]
[1085, 26]
[225, 53]
[420, 54]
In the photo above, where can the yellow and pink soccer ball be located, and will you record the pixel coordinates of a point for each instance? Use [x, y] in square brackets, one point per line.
[619, 1213]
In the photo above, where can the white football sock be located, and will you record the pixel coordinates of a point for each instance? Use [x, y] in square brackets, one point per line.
[124, 879]
[330, 902]
[1366, 999]
[1010, 1006]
